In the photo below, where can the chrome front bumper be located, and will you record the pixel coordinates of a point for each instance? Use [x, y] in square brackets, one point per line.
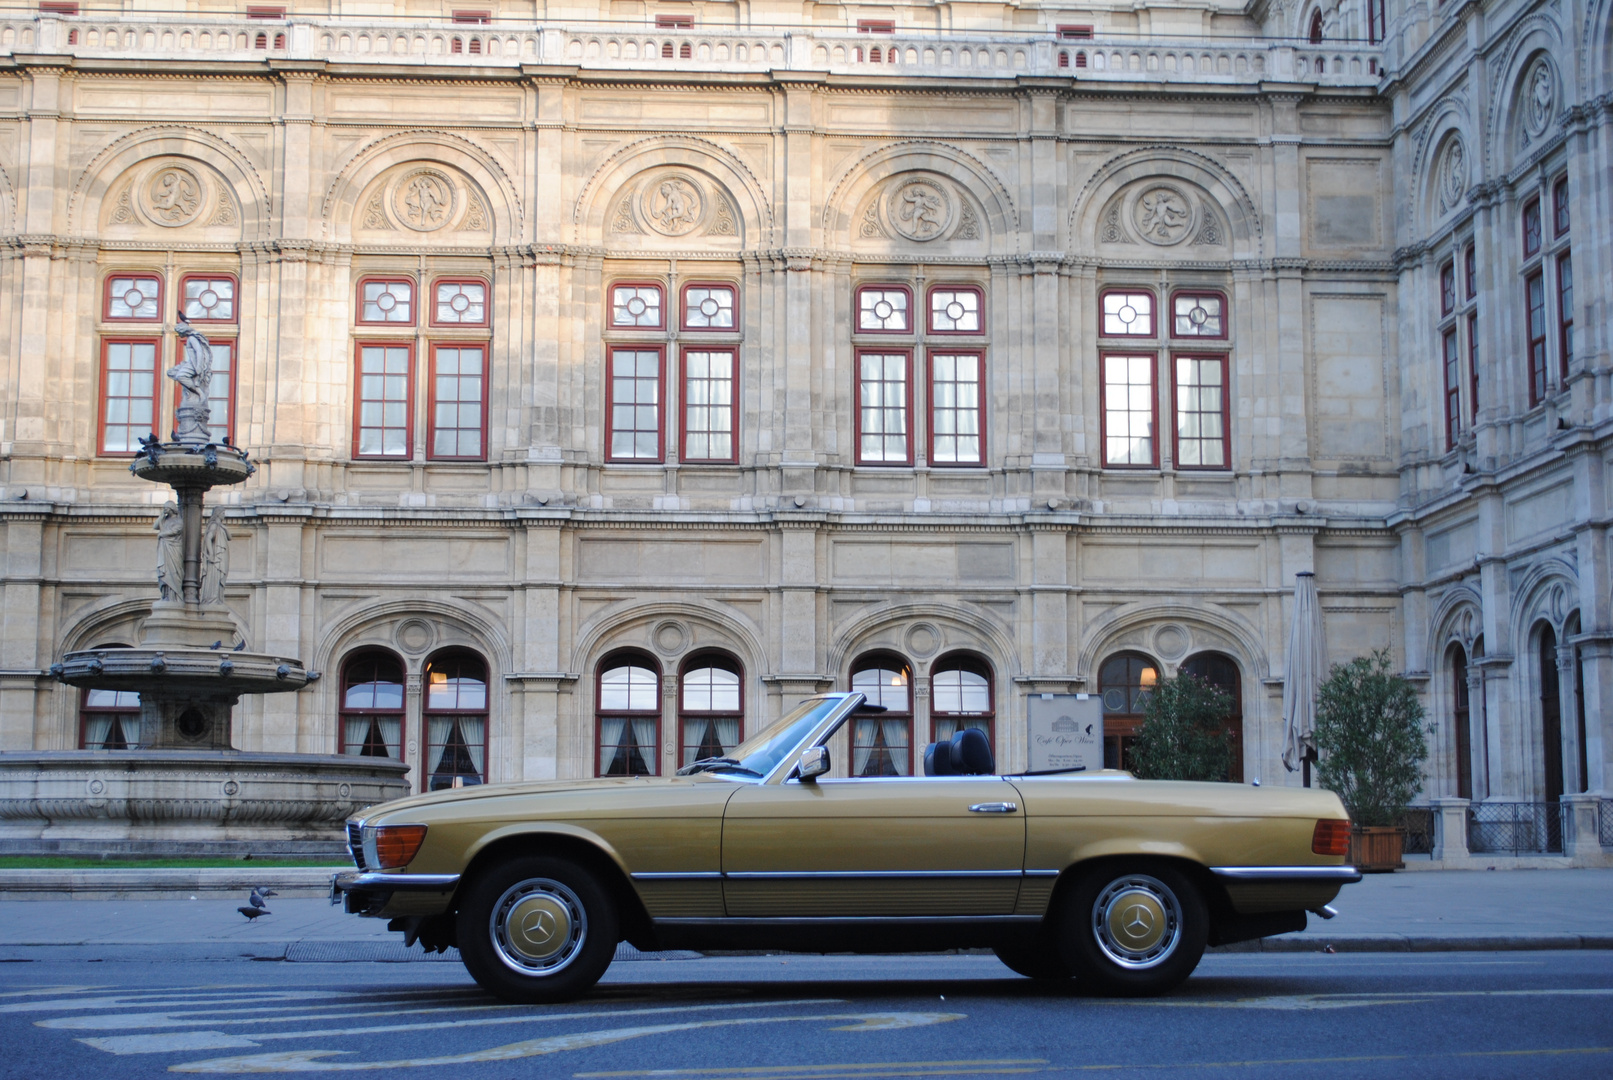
[366, 891]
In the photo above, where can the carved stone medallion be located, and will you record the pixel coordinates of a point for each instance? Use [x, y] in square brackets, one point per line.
[173, 196]
[673, 205]
[1540, 98]
[1452, 178]
[1163, 215]
[424, 200]
[920, 209]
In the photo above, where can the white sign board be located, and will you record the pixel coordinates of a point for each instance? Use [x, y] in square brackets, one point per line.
[1066, 732]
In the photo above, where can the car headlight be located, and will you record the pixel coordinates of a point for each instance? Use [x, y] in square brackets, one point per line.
[392, 847]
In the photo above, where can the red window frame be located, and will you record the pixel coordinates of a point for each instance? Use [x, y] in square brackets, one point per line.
[876, 26]
[1176, 414]
[979, 356]
[102, 399]
[1534, 304]
[472, 18]
[660, 401]
[235, 297]
[1201, 294]
[359, 399]
[1565, 312]
[1559, 207]
[265, 11]
[1447, 287]
[611, 663]
[929, 308]
[106, 297]
[1470, 271]
[1533, 230]
[487, 303]
[1473, 366]
[401, 713]
[610, 305]
[683, 307]
[974, 665]
[857, 406]
[1451, 363]
[674, 22]
[58, 7]
[460, 663]
[431, 403]
[388, 279]
[229, 411]
[884, 661]
[1375, 21]
[118, 712]
[1069, 32]
[1153, 312]
[684, 404]
[699, 662]
[875, 286]
[1103, 410]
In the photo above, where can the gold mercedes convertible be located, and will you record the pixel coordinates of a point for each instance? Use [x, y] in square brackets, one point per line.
[1115, 881]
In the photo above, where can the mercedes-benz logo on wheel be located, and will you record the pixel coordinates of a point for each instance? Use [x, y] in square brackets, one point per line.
[538, 927]
[1138, 921]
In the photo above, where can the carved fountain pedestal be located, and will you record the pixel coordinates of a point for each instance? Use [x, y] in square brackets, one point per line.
[186, 789]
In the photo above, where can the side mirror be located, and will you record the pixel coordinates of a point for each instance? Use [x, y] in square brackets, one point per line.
[813, 764]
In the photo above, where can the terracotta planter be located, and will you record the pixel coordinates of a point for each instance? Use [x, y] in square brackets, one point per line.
[1376, 849]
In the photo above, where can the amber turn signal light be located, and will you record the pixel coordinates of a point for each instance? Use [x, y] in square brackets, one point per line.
[1332, 837]
[395, 845]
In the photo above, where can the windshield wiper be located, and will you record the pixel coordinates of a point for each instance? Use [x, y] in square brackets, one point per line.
[712, 764]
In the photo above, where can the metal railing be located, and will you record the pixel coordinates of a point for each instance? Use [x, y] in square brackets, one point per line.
[1604, 827]
[1515, 828]
[1418, 821]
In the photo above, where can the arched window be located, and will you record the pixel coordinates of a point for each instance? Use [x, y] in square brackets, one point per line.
[711, 706]
[1316, 27]
[1461, 722]
[456, 720]
[1221, 670]
[882, 743]
[629, 716]
[372, 705]
[1125, 682]
[961, 697]
[109, 719]
[1551, 715]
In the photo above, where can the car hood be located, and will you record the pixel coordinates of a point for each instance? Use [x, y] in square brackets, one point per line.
[535, 787]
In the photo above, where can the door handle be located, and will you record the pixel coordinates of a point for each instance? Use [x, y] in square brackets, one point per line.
[993, 808]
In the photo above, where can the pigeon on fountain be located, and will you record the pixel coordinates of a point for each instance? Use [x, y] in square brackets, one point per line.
[239, 647]
[217, 644]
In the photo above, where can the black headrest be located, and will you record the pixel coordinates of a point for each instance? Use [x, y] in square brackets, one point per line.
[938, 759]
[971, 753]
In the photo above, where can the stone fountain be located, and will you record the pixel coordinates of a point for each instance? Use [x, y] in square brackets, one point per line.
[186, 789]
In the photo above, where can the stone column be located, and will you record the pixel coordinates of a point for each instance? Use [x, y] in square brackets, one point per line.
[415, 753]
[1568, 723]
[1478, 747]
[1581, 834]
[1596, 657]
[671, 737]
[1450, 829]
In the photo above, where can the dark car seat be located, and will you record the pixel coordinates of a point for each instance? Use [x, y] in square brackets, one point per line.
[968, 754]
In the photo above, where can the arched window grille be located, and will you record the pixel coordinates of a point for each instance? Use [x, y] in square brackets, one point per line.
[711, 707]
[1221, 670]
[456, 720]
[961, 697]
[371, 723]
[882, 743]
[1125, 682]
[629, 716]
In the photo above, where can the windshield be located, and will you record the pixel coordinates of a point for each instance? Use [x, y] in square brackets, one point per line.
[762, 752]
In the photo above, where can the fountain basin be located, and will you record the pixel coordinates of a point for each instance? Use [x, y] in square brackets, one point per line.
[164, 800]
[212, 673]
[193, 466]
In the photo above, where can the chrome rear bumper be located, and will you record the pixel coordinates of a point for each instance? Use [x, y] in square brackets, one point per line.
[1339, 875]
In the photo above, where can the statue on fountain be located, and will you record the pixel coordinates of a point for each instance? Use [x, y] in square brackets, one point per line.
[194, 374]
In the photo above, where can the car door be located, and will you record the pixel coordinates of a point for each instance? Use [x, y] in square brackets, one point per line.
[873, 846]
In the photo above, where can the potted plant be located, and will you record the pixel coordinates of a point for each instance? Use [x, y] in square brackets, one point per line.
[1371, 739]
[1184, 733]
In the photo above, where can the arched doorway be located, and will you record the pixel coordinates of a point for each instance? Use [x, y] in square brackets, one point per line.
[1551, 716]
[1221, 670]
[1461, 722]
[1125, 682]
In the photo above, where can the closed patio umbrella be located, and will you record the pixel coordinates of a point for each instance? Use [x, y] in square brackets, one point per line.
[1306, 668]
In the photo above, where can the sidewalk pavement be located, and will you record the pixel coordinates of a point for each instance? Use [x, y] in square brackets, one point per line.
[1447, 911]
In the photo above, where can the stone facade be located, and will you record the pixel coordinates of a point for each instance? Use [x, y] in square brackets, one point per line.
[325, 169]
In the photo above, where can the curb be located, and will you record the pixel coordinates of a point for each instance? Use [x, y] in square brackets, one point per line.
[1410, 943]
[178, 883]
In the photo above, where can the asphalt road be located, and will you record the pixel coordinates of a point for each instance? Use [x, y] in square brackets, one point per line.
[1458, 1015]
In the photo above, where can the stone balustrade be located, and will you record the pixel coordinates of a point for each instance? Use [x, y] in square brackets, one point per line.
[620, 48]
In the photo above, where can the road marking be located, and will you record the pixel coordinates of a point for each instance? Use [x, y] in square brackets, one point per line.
[313, 1060]
[789, 1072]
[154, 1043]
[1309, 1002]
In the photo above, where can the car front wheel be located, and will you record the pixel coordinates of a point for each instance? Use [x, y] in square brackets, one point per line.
[537, 929]
[1132, 931]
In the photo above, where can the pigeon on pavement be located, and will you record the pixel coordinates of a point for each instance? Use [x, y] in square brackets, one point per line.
[253, 912]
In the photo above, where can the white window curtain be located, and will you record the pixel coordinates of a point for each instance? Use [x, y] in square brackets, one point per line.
[697, 732]
[356, 732]
[473, 729]
[437, 731]
[96, 729]
[873, 734]
[611, 730]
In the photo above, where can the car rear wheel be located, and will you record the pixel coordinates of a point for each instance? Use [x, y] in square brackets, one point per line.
[1133, 931]
[537, 929]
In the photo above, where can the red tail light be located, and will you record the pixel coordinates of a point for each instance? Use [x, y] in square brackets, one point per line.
[395, 845]
[1332, 837]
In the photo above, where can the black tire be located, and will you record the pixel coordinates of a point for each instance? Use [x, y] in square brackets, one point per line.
[1133, 930]
[1037, 958]
[537, 929]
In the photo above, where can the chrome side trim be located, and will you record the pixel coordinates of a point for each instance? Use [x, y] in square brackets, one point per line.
[993, 808]
[865, 875]
[659, 875]
[1344, 875]
[856, 920]
[1043, 873]
[348, 880]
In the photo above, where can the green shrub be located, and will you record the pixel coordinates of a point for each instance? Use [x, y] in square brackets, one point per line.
[1370, 739]
[1183, 735]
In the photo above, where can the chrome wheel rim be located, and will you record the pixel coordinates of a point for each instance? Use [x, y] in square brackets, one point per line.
[538, 926]
[1137, 922]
